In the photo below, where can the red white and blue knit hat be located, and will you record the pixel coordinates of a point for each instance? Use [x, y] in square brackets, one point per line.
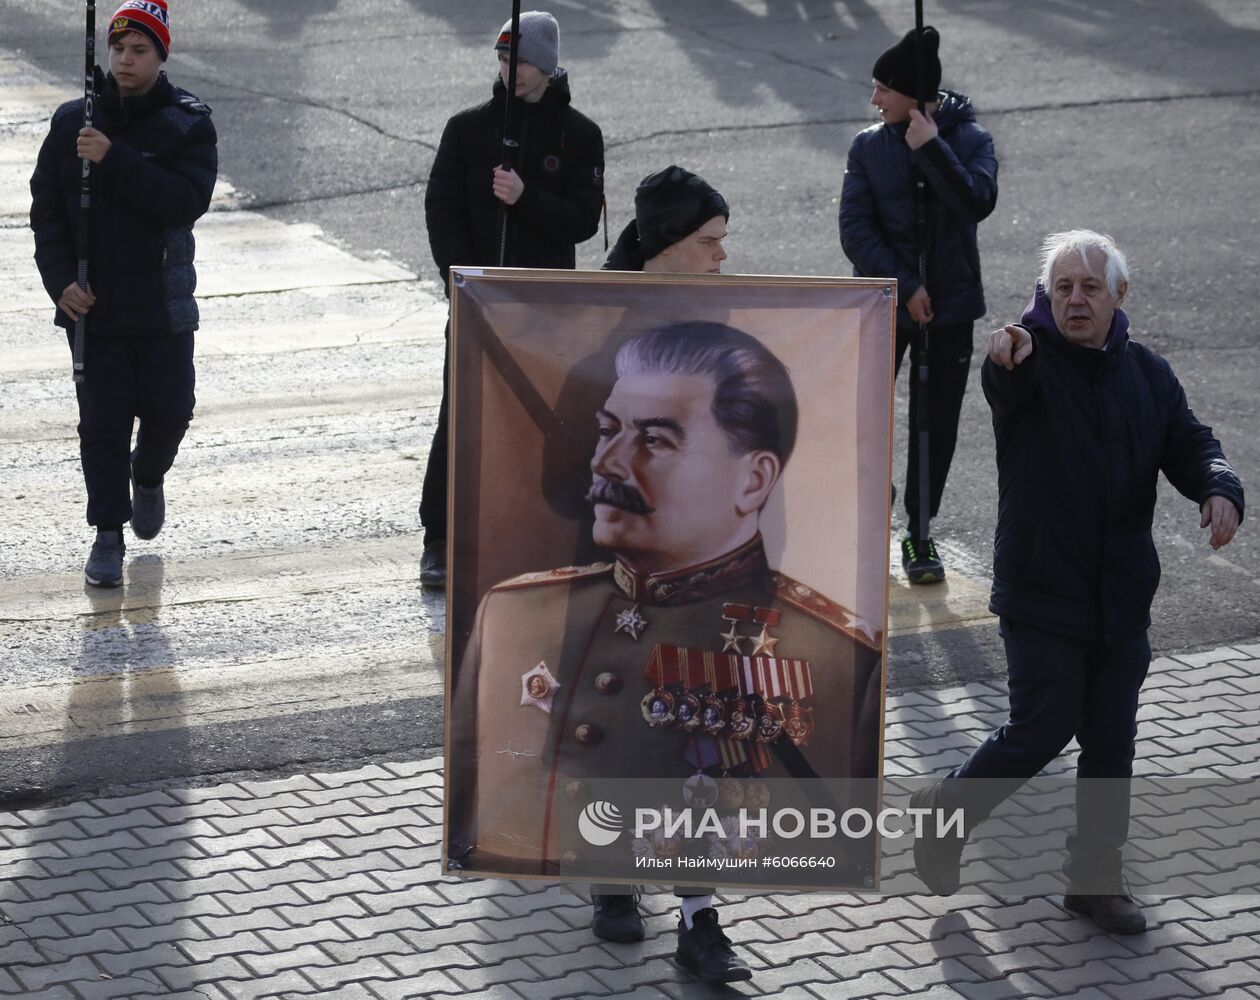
[149, 17]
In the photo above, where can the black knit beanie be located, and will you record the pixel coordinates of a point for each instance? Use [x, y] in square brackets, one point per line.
[895, 68]
[672, 204]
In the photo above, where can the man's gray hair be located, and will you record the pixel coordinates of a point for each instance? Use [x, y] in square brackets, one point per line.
[1082, 241]
[754, 402]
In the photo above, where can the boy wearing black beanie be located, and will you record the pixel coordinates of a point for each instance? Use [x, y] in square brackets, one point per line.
[878, 231]
[678, 227]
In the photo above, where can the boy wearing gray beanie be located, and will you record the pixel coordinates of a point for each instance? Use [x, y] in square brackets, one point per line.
[540, 40]
[552, 196]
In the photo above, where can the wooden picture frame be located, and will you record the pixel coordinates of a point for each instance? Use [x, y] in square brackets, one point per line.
[553, 640]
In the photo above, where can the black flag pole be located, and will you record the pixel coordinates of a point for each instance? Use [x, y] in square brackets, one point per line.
[509, 135]
[923, 417]
[85, 189]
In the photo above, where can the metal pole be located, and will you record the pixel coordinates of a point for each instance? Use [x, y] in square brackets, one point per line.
[923, 416]
[509, 140]
[85, 190]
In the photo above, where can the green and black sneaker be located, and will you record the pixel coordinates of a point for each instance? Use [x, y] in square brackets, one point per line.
[920, 560]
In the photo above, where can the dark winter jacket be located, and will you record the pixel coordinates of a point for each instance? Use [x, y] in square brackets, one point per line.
[152, 185]
[878, 228]
[561, 161]
[1082, 435]
[627, 252]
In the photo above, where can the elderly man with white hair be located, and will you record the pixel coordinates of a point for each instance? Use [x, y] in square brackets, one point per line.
[1085, 420]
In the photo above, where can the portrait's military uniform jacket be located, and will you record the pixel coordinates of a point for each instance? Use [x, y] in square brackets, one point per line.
[555, 688]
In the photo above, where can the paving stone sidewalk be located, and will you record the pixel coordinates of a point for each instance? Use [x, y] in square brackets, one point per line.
[329, 885]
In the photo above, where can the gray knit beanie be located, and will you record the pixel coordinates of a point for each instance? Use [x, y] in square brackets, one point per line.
[540, 40]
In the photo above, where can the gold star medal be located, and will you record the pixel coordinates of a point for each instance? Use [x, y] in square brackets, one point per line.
[733, 614]
[764, 644]
[765, 617]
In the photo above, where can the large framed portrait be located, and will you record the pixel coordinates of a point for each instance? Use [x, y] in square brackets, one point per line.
[668, 585]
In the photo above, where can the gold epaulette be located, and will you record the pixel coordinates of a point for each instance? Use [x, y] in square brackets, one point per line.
[814, 604]
[561, 575]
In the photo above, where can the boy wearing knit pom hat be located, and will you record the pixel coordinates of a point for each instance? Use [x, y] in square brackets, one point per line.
[154, 161]
[879, 233]
[552, 198]
[150, 18]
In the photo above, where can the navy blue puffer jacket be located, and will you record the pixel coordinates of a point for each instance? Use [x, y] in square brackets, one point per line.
[877, 209]
[153, 184]
[1082, 435]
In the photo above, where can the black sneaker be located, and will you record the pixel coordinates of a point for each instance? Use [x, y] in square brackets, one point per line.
[617, 918]
[938, 860]
[105, 562]
[1113, 909]
[433, 566]
[706, 952]
[920, 561]
[148, 508]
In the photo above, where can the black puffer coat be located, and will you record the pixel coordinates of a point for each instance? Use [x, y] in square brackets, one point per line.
[877, 209]
[560, 160]
[1082, 435]
[153, 184]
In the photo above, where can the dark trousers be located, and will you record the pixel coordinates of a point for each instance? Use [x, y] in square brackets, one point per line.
[433, 492]
[150, 378]
[1063, 687]
[949, 364]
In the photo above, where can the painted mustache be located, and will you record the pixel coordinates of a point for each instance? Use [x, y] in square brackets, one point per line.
[615, 494]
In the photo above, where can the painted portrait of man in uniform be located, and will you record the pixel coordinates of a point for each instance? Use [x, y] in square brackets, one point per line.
[683, 651]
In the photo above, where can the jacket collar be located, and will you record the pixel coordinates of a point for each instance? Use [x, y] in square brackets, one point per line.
[124, 108]
[952, 109]
[744, 565]
[556, 94]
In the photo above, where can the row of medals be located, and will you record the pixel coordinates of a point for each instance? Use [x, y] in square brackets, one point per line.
[733, 716]
[700, 792]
